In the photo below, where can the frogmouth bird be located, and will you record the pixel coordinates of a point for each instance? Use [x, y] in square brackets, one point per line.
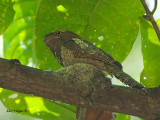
[69, 49]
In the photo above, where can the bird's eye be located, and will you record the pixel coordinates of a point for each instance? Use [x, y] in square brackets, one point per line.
[59, 33]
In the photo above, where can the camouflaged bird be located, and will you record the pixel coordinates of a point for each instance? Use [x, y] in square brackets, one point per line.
[69, 49]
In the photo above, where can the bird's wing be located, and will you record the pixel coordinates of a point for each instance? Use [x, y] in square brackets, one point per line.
[80, 51]
[87, 49]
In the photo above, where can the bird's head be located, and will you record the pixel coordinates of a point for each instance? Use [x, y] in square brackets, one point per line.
[59, 35]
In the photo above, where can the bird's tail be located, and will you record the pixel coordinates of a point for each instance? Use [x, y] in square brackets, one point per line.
[117, 71]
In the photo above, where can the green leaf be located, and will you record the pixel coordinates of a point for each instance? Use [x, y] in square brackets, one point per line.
[151, 54]
[18, 42]
[6, 14]
[122, 117]
[108, 24]
[36, 106]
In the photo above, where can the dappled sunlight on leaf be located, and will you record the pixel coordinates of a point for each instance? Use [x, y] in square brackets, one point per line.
[1, 90]
[61, 8]
[17, 101]
[36, 104]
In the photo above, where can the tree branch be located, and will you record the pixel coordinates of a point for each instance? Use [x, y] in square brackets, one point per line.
[80, 85]
[149, 17]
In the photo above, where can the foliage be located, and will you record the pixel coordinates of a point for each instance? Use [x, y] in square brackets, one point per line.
[7, 14]
[110, 25]
[151, 51]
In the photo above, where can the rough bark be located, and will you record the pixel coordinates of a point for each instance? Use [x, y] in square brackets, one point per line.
[80, 85]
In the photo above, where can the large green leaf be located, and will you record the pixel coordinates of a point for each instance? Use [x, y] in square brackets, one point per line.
[18, 36]
[109, 24]
[6, 14]
[36, 106]
[151, 55]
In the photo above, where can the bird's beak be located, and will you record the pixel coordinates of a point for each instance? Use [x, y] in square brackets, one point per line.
[48, 38]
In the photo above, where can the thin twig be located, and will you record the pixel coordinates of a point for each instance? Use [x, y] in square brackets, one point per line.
[151, 19]
[155, 7]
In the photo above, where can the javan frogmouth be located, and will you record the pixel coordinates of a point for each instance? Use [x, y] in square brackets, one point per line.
[69, 49]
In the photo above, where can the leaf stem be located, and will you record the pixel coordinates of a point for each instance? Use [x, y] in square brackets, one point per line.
[155, 7]
[149, 17]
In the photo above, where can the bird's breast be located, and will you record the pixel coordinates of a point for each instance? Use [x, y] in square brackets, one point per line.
[67, 56]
